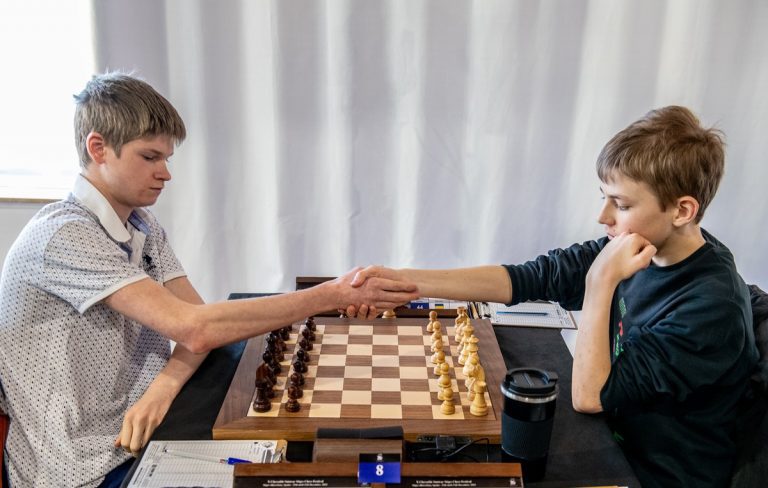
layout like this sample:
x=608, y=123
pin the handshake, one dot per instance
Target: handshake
x=364, y=292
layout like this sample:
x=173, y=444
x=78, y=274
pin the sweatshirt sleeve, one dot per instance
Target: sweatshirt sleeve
x=664, y=364
x=558, y=276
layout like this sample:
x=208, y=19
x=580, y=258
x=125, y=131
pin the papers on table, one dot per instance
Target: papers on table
x=200, y=463
x=528, y=314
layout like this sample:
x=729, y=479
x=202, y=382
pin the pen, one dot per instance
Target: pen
x=521, y=312
x=203, y=457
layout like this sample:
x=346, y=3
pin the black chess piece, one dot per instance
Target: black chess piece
x=294, y=381
x=307, y=333
x=274, y=346
x=299, y=378
x=271, y=363
x=303, y=355
x=305, y=344
x=292, y=405
x=285, y=334
x=311, y=324
x=261, y=403
x=300, y=366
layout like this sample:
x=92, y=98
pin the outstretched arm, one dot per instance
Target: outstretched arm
x=624, y=256
x=148, y=412
x=202, y=327
x=482, y=283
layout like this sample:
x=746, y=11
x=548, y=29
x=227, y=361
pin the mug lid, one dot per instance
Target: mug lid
x=530, y=381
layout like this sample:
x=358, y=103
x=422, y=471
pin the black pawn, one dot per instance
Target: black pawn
x=271, y=363
x=292, y=405
x=300, y=366
x=311, y=324
x=297, y=378
x=303, y=355
x=285, y=333
x=274, y=347
x=261, y=403
x=294, y=381
x=307, y=333
x=305, y=344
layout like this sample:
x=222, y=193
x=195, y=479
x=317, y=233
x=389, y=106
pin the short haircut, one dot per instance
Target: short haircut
x=123, y=108
x=671, y=152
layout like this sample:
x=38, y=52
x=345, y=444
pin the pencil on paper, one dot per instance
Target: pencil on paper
x=205, y=457
x=521, y=312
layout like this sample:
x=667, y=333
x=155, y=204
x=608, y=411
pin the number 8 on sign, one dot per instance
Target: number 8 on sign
x=378, y=468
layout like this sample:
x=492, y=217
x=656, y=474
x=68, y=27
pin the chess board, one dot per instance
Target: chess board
x=366, y=374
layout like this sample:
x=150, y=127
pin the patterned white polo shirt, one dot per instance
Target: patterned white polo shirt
x=70, y=366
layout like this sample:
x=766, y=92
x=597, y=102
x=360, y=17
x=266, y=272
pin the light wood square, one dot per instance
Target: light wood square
x=385, y=361
x=385, y=384
x=410, y=350
x=386, y=412
x=458, y=415
x=325, y=410
x=405, y=330
x=329, y=384
x=413, y=373
x=359, y=349
x=335, y=339
x=416, y=398
x=357, y=372
x=332, y=360
x=356, y=397
x=360, y=329
x=385, y=340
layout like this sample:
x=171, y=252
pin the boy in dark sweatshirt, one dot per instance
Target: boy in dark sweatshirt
x=665, y=346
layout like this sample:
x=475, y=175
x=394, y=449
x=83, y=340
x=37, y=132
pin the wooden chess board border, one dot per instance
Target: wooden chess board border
x=233, y=421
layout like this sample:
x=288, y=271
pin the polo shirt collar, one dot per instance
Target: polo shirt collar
x=98, y=204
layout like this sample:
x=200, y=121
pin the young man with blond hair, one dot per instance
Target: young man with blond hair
x=665, y=344
x=91, y=293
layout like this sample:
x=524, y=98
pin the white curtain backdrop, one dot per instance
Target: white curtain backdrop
x=328, y=134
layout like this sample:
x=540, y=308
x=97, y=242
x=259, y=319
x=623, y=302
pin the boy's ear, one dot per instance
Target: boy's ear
x=96, y=147
x=687, y=209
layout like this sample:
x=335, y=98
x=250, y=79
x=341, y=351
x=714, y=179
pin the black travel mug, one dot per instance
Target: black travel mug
x=526, y=423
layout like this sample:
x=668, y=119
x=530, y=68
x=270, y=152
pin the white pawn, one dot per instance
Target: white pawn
x=438, y=359
x=445, y=379
x=447, y=408
x=432, y=319
x=479, y=407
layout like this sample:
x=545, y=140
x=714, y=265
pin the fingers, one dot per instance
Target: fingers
x=372, y=312
x=363, y=274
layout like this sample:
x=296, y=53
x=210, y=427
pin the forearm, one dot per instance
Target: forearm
x=482, y=283
x=592, y=359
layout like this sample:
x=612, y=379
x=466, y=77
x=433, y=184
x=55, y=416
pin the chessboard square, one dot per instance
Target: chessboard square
x=382, y=350
x=384, y=340
x=417, y=412
x=457, y=415
x=311, y=371
x=274, y=409
x=357, y=371
x=355, y=412
x=330, y=349
x=302, y=413
x=414, y=361
x=413, y=351
x=382, y=372
x=416, y=398
x=413, y=373
x=332, y=360
x=329, y=384
x=359, y=349
x=416, y=385
x=411, y=341
x=386, y=411
x=385, y=330
x=357, y=384
x=360, y=339
x=385, y=384
x=359, y=360
x=360, y=329
x=324, y=397
x=325, y=410
x=386, y=398
x=356, y=397
x=340, y=329
x=386, y=361
x=330, y=372
x=334, y=338
x=409, y=330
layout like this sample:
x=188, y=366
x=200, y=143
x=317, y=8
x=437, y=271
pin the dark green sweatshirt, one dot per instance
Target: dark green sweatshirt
x=682, y=349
